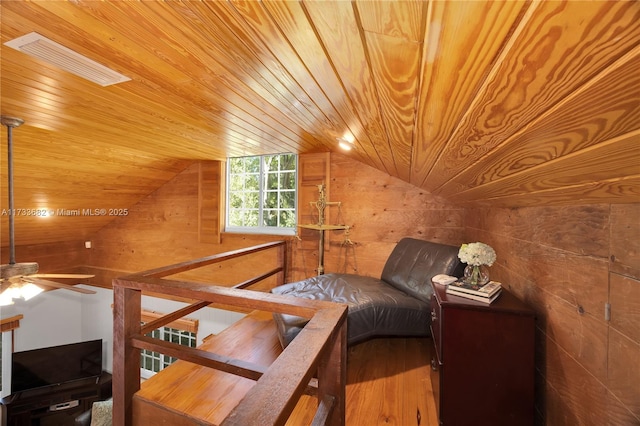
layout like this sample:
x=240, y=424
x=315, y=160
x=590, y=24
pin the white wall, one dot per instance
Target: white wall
x=6, y=366
x=96, y=319
x=51, y=318
x=60, y=316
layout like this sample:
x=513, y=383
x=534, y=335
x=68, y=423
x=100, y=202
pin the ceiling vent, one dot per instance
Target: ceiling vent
x=33, y=44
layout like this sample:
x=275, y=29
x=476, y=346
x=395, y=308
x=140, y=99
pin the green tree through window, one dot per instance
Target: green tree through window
x=261, y=193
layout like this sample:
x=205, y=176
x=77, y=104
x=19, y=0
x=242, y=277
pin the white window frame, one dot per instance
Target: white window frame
x=271, y=230
x=164, y=361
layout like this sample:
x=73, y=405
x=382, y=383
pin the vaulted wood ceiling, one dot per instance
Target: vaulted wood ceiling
x=502, y=102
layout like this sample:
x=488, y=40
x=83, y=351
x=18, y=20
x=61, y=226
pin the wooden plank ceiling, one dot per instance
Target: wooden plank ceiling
x=482, y=102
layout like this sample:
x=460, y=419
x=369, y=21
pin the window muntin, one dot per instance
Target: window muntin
x=153, y=362
x=262, y=194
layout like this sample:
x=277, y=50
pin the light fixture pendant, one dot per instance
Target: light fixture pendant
x=11, y=122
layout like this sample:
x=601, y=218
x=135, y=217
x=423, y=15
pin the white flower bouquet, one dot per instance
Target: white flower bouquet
x=477, y=254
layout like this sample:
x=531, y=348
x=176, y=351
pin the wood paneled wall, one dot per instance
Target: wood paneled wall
x=164, y=229
x=61, y=257
x=568, y=263
x=380, y=210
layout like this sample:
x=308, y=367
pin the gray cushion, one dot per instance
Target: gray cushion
x=397, y=304
x=413, y=263
x=375, y=308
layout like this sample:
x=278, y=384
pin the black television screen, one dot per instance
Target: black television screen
x=55, y=365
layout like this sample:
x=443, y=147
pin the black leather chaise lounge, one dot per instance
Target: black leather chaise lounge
x=396, y=304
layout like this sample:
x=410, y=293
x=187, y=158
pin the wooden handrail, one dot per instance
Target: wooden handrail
x=176, y=268
x=169, y=318
x=196, y=356
x=320, y=348
x=259, y=278
x=11, y=323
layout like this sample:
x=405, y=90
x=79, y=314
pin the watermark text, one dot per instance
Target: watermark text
x=65, y=212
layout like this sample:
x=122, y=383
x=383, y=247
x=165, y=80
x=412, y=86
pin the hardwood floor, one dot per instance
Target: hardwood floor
x=388, y=383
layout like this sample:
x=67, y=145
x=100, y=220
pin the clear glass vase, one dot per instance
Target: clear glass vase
x=476, y=275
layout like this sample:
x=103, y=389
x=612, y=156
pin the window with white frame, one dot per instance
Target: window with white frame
x=262, y=194
x=153, y=362
x=185, y=335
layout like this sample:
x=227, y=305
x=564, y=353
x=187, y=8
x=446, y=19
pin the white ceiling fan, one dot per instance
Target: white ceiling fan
x=21, y=280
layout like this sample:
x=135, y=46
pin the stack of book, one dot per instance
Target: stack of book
x=486, y=293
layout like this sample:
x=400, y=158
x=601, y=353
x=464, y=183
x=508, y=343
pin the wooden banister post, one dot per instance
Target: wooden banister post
x=126, y=358
x=320, y=348
x=332, y=375
x=281, y=262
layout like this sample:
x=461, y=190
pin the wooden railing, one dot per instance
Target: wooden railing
x=320, y=348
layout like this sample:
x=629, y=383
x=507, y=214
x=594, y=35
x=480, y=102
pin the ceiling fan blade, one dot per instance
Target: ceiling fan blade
x=79, y=276
x=48, y=283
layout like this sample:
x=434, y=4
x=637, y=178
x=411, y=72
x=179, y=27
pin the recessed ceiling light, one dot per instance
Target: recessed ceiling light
x=345, y=143
x=38, y=46
x=348, y=137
